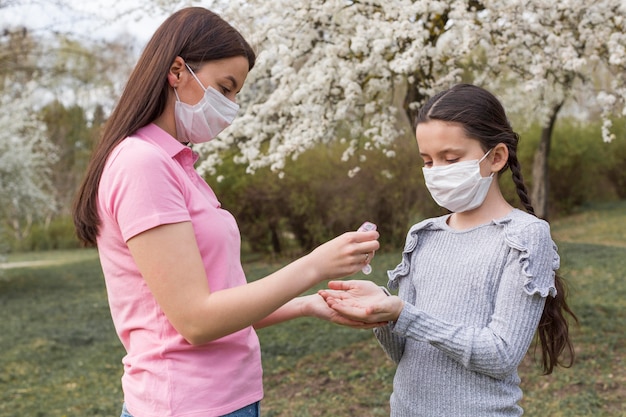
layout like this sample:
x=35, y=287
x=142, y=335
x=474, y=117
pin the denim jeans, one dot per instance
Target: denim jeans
x=253, y=410
x=125, y=412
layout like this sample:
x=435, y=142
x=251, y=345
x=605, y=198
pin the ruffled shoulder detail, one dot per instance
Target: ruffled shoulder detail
x=538, y=252
x=402, y=269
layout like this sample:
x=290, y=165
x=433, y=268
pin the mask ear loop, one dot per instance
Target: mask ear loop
x=483, y=158
x=485, y=155
x=195, y=76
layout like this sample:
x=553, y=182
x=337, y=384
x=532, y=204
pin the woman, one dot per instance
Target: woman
x=170, y=255
x=474, y=285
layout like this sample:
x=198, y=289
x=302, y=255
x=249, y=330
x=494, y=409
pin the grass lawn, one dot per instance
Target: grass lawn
x=60, y=356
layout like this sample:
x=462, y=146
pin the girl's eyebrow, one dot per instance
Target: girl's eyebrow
x=444, y=151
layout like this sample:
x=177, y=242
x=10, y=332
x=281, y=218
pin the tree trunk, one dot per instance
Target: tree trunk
x=540, y=172
x=276, y=246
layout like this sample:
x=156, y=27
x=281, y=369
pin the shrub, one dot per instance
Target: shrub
x=582, y=168
x=316, y=199
x=59, y=234
x=614, y=165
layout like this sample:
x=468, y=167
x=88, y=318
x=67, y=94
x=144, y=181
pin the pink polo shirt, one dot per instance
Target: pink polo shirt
x=149, y=180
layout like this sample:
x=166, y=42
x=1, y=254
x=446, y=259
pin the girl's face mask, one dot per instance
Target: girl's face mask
x=205, y=120
x=459, y=186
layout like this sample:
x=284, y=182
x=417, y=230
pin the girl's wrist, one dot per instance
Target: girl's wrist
x=400, y=307
x=398, y=302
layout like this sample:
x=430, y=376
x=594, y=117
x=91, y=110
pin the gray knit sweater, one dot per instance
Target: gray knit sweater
x=473, y=301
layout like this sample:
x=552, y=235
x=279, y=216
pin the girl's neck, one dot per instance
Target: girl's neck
x=494, y=207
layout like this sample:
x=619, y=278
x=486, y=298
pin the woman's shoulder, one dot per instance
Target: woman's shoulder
x=136, y=156
x=136, y=149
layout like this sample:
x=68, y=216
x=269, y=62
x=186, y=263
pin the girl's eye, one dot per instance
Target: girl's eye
x=451, y=161
x=225, y=90
x=428, y=163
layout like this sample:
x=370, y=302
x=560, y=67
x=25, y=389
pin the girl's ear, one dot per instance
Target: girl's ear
x=499, y=157
x=177, y=67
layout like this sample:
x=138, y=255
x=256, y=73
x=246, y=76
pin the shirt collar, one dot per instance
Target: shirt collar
x=154, y=134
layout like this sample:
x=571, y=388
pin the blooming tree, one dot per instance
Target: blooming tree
x=356, y=71
x=539, y=55
x=25, y=159
x=331, y=66
x=37, y=69
x=25, y=151
x=350, y=70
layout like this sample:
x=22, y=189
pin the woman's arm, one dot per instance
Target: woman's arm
x=169, y=260
x=311, y=306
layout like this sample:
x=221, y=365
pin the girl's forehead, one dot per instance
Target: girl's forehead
x=436, y=136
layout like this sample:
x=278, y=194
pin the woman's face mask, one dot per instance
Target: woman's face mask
x=205, y=120
x=459, y=186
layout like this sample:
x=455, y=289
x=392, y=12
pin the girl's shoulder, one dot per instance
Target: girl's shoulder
x=433, y=223
x=410, y=244
x=520, y=226
x=538, y=254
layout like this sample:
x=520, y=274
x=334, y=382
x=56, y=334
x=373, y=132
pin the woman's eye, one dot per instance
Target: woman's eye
x=428, y=163
x=451, y=161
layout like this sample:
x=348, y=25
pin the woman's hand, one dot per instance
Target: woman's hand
x=343, y=255
x=360, y=300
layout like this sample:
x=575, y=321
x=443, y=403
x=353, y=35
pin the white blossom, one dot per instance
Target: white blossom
x=554, y=50
x=26, y=156
x=329, y=63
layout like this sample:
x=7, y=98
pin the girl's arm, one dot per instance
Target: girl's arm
x=311, y=306
x=495, y=349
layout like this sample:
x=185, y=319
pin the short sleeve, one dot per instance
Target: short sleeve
x=141, y=188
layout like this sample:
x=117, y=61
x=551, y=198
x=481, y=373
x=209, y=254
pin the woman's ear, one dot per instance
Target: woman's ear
x=177, y=67
x=499, y=157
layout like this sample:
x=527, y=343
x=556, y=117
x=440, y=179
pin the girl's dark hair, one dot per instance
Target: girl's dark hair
x=482, y=117
x=195, y=34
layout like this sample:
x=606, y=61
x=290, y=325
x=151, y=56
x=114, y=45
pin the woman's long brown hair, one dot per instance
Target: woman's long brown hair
x=483, y=118
x=195, y=34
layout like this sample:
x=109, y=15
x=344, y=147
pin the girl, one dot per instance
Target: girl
x=474, y=285
x=170, y=255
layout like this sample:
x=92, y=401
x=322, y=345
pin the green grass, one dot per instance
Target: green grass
x=60, y=355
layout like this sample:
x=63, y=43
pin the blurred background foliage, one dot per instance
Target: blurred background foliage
x=317, y=198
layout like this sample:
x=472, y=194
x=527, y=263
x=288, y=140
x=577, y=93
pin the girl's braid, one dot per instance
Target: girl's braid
x=518, y=179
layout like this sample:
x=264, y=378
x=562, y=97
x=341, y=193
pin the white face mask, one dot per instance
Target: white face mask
x=459, y=186
x=206, y=119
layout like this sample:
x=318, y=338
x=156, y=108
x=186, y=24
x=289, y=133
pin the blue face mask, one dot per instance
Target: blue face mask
x=206, y=119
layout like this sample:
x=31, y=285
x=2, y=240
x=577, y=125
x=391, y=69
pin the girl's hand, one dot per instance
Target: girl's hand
x=360, y=300
x=315, y=306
